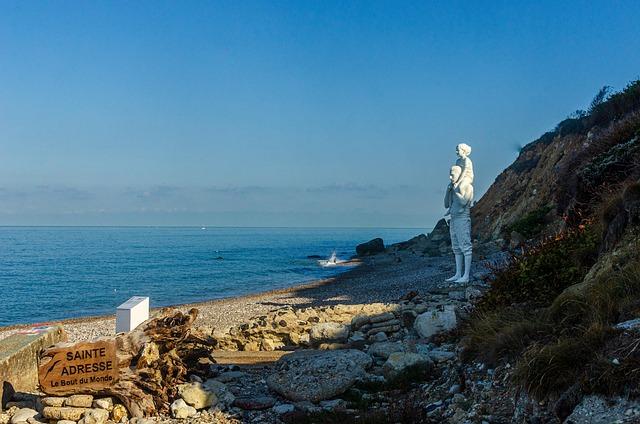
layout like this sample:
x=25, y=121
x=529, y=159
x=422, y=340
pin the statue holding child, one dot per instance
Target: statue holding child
x=458, y=201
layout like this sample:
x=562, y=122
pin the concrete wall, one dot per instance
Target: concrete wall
x=19, y=355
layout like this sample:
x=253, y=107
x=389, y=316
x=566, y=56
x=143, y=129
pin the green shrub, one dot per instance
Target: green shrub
x=541, y=273
x=532, y=224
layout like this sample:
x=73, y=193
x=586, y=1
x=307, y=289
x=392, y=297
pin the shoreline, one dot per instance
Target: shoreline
x=381, y=278
x=354, y=263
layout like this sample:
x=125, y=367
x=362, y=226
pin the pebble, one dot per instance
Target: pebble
x=455, y=389
x=283, y=408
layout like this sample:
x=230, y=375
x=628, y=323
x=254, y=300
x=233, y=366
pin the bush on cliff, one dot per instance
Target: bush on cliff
x=568, y=341
x=532, y=224
x=542, y=272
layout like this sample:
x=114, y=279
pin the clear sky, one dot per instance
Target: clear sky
x=300, y=113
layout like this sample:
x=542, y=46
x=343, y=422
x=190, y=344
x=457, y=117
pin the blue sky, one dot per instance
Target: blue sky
x=301, y=113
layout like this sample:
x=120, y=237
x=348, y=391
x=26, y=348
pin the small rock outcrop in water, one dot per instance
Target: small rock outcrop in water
x=371, y=247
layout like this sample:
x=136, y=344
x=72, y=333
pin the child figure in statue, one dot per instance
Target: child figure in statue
x=466, y=169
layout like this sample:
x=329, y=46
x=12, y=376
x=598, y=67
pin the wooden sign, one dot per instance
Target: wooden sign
x=79, y=367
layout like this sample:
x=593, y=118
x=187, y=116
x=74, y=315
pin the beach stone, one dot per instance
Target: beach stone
x=22, y=415
x=118, y=413
x=399, y=361
x=330, y=405
x=384, y=349
x=196, y=395
x=284, y=408
x=379, y=337
x=472, y=293
x=222, y=393
x=65, y=422
x=359, y=320
x=371, y=247
x=408, y=318
x=79, y=401
x=438, y=355
x=317, y=375
x=386, y=329
x=34, y=420
x=95, y=416
x=329, y=332
x=255, y=403
x=387, y=316
x=390, y=323
x=53, y=401
x=435, y=321
x=104, y=403
x=228, y=376
x=180, y=410
x=63, y=413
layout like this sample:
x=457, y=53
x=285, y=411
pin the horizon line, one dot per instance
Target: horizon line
x=207, y=226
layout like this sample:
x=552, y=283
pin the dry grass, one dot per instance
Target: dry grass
x=502, y=335
x=569, y=341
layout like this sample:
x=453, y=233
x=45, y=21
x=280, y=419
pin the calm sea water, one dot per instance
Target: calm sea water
x=50, y=273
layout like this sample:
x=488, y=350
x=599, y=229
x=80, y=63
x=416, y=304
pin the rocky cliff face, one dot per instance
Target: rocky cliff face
x=564, y=173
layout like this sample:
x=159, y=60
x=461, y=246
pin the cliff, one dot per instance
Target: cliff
x=561, y=176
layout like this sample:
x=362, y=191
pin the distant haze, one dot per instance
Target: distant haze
x=300, y=113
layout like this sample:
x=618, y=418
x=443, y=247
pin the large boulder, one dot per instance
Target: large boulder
x=317, y=375
x=435, y=320
x=328, y=332
x=371, y=247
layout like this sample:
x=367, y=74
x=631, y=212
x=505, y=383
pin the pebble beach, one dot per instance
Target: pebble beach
x=381, y=278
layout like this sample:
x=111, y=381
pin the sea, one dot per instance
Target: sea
x=53, y=273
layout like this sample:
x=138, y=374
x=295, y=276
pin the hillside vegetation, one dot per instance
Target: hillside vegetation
x=553, y=309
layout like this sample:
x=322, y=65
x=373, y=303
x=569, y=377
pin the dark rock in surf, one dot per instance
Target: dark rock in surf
x=371, y=247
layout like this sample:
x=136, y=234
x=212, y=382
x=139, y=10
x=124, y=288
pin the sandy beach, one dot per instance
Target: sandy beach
x=381, y=278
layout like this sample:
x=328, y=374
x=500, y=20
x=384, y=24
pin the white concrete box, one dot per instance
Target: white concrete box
x=131, y=314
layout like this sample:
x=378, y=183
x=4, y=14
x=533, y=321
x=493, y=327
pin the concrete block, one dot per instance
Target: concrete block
x=19, y=359
x=131, y=314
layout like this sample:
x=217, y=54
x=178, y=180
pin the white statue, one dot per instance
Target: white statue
x=458, y=202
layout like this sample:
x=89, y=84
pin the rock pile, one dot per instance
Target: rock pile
x=81, y=409
x=340, y=353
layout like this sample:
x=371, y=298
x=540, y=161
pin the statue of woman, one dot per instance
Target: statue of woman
x=458, y=202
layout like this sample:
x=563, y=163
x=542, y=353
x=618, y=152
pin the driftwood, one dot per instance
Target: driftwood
x=153, y=360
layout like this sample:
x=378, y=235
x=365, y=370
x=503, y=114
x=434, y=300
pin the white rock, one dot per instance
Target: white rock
x=196, y=395
x=22, y=415
x=180, y=410
x=96, y=416
x=435, y=321
x=104, y=403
